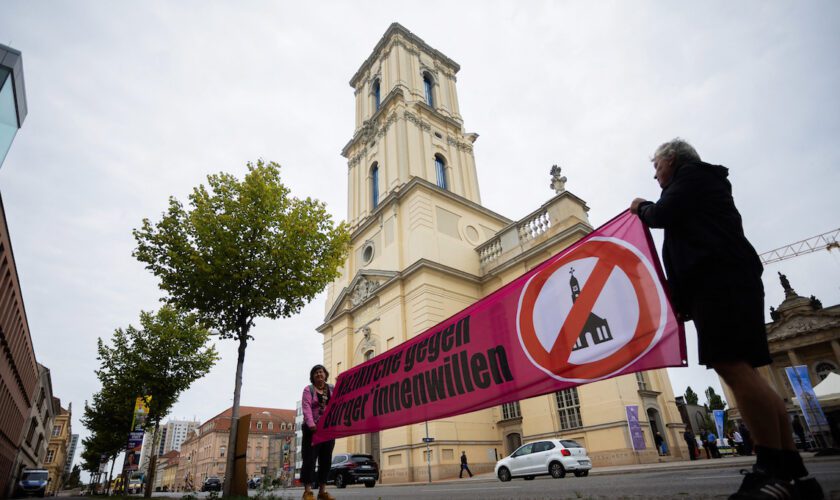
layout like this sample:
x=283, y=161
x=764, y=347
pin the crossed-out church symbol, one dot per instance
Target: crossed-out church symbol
x=596, y=327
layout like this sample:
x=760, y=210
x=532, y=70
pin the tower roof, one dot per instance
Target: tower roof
x=398, y=29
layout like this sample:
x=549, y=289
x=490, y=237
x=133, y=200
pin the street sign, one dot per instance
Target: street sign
x=428, y=440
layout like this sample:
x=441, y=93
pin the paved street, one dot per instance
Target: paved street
x=685, y=480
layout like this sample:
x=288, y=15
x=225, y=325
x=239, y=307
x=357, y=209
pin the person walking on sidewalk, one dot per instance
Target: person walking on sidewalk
x=692, y=444
x=314, y=400
x=464, y=466
x=714, y=275
x=711, y=439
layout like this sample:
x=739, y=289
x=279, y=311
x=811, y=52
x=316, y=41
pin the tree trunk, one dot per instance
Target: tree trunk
x=150, y=477
x=110, y=476
x=234, y=417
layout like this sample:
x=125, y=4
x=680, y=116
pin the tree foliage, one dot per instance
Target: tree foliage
x=243, y=250
x=691, y=396
x=713, y=400
x=161, y=359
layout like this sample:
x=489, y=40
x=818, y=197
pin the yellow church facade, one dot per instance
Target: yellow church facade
x=424, y=248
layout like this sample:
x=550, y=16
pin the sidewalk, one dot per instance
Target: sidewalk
x=744, y=462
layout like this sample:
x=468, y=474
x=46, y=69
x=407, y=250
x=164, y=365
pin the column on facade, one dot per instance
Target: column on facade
x=794, y=359
x=835, y=346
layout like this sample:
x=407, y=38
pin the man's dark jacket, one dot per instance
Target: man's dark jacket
x=704, y=238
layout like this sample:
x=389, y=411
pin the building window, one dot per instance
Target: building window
x=271, y=426
x=511, y=410
x=259, y=452
x=824, y=368
x=259, y=426
x=376, y=95
x=368, y=355
x=568, y=406
x=222, y=450
x=427, y=86
x=440, y=170
x=640, y=378
x=374, y=184
x=41, y=398
x=56, y=431
x=31, y=433
x=50, y=456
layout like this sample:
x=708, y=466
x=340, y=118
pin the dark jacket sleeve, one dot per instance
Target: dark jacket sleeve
x=677, y=199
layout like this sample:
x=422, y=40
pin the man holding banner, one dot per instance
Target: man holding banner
x=715, y=280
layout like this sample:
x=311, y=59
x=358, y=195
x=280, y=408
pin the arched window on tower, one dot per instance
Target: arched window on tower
x=374, y=184
x=440, y=170
x=376, y=95
x=428, y=84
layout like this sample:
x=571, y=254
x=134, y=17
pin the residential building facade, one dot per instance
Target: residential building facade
x=423, y=248
x=33, y=448
x=172, y=434
x=59, y=446
x=204, y=453
x=19, y=372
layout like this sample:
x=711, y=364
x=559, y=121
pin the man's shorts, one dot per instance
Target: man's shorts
x=729, y=319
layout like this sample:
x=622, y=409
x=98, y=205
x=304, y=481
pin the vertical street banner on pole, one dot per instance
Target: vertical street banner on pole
x=596, y=310
x=800, y=382
x=135, y=437
x=637, y=436
x=718, y=414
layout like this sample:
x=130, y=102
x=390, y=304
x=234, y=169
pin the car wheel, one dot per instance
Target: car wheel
x=340, y=482
x=370, y=484
x=528, y=478
x=556, y=470
x=504, y=474
x=581, y=473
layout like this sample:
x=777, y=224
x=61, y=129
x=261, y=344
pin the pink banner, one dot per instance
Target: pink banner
x=596, y=310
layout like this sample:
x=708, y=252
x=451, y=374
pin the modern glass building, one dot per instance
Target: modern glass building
x=12, y=97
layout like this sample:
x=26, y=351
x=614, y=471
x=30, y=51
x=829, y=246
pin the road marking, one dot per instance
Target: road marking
x=473, y=489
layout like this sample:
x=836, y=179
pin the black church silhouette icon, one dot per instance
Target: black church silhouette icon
x=596, y=328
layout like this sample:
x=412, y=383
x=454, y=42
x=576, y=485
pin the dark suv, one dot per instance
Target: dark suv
x=212, y=484
x=352, y=469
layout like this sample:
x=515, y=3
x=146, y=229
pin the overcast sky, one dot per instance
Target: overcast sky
x=130, y=103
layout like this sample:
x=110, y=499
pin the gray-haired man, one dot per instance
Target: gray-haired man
x=715, y=280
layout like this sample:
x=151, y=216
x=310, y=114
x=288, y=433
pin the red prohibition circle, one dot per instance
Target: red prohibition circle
x=609, y=255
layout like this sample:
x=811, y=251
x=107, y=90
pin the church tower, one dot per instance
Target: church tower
x=408, y=125
x=416, y=220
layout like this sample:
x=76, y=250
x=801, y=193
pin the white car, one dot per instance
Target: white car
x=551, y=456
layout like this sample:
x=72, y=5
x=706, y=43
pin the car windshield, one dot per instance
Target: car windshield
x=35, y=476
x=568, y=443
x=362, y=458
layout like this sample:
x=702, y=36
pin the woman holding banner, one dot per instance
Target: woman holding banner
x=314, y=401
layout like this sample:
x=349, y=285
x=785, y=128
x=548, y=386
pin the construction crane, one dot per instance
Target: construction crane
x=826, y=241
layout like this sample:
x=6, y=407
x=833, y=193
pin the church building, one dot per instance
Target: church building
x=423, y=248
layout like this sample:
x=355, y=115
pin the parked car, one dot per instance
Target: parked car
x=212, y=483
x=32, y=482
x=254, y=483
x=352, y=468
x=552, y=456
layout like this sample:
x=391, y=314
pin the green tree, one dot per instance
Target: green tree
x=713, y=400
x=73, y=480
x=243, y=250
x=691, y=396
x=160, y=360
